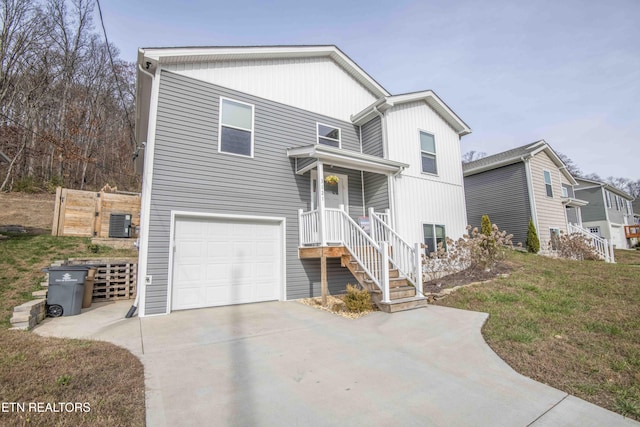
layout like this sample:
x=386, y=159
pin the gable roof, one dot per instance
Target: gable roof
x=189, y=54
x=427, y=96
x=516, y=155
x=584, y=183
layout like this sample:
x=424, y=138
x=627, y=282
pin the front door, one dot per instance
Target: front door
x=335, y=194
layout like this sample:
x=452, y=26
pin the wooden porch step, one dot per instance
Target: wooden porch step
x=402, y=292
x=402, y=304
x=395, y=282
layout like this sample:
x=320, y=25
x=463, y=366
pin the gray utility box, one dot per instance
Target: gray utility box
x=120, y=225
x=66, y=288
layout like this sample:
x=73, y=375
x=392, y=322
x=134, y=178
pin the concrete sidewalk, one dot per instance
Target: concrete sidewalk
x=283, y=363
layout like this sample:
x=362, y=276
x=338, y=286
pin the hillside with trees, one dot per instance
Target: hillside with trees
x=66, y=100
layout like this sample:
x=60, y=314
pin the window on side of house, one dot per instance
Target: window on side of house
x=618, y=203
x=328, y=135
x=594, y=230
x=565, y=191
x=428, y=153
x=433, y=236
x=607, y=196
x=547, y=183
x=554, y=234
x=236, y=128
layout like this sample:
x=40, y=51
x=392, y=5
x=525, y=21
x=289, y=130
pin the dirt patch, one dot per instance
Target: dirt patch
x=32, y=211
x=466, y=277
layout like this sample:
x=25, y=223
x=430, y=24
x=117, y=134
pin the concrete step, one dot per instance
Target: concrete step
x=402, y=304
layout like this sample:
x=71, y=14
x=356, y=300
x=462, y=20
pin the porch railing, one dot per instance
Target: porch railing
x=406, y=258
x=603, y=248
x=340, y=228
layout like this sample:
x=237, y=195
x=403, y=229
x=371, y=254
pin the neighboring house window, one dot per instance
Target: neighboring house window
x=618, y=203
x=607, y=196
x=594, y=230
x=629, y=208
x=554, y=233
x=428, y=153
x=565, y=191
x=236, y=128
x=328, y=135
x=547, y=183
x=433, y=236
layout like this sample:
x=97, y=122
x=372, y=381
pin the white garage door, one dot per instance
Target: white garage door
x=222, y=261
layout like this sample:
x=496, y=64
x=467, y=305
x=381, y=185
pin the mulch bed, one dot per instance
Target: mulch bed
x=466, y=277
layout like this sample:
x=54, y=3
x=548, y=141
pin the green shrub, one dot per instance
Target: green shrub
x=357, y=300
x=533, y=243
x=485, y=225
x=26, y=185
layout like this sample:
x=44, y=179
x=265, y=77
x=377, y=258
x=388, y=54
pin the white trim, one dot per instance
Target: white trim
x=339, y=140
x=282, y=221
x=434, y=154
x=145, y=201
x=343, y=185
x=532, y=195
x=252, y=130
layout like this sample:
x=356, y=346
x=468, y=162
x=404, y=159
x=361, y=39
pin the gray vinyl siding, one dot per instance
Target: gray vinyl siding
x=503, y=195
x=372, y=138
x=570, y=192
x=616, y=215
x=189, y=174
x=595, y=210
x=376, y=191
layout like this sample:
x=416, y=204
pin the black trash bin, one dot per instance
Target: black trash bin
x=66, y=287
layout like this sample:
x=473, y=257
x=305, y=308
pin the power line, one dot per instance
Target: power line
x=115, y=75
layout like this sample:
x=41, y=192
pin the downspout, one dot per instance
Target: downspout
x=143, y=218
x=391, y=177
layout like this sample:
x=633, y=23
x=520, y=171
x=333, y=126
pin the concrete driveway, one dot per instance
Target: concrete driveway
x=286, y=364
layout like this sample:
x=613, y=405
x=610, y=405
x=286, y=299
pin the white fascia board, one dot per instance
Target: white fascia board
x=347, y=159
x=200, y=54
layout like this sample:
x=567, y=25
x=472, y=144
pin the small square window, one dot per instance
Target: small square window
x=428, y=153
x=328, y=135
x=236, y=128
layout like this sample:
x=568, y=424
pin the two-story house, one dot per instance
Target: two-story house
x=277, y=173
x=608, y=212
x=527, y=182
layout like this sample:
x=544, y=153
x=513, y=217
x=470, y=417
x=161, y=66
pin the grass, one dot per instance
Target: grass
x=572, y=325
x=106, y=379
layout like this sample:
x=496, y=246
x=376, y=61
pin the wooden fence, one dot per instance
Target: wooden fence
x=87, y=213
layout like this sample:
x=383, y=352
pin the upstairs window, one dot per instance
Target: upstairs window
x=434, y=235
x=236, y=128
x=547, y=183
x=565, y=191
x=428, y=153
x=328, y=135
x=607, y=196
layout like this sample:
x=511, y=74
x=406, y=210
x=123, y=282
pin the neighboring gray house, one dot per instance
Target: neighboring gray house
x=608, y=212
x=265, y=167
x=526, y=182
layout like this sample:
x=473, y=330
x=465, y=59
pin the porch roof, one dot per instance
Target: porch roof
x=574, y=203
x=343, y=158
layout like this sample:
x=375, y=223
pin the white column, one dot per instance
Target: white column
x=320, y=195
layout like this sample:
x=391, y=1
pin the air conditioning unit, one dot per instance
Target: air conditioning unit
x=120, y=225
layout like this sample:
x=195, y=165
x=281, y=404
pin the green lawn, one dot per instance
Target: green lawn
x=574, y=325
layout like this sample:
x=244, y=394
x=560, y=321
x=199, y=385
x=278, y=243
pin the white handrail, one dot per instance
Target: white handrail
x=367, y=253
x=602, y=246
x=308, y=227
x=401, y=254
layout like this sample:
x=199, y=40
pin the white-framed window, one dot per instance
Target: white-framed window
x=595, y=230
x=328, y=135
x=548, y=184
x=235, y=133
x=629, y=207
x=607, y=196
x=618, y=203
x=565, y=191
x=428, y=153
x=434, y=234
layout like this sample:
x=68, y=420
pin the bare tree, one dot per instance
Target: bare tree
x=473, y=155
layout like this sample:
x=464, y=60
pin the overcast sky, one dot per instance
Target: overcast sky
x=566, y=71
